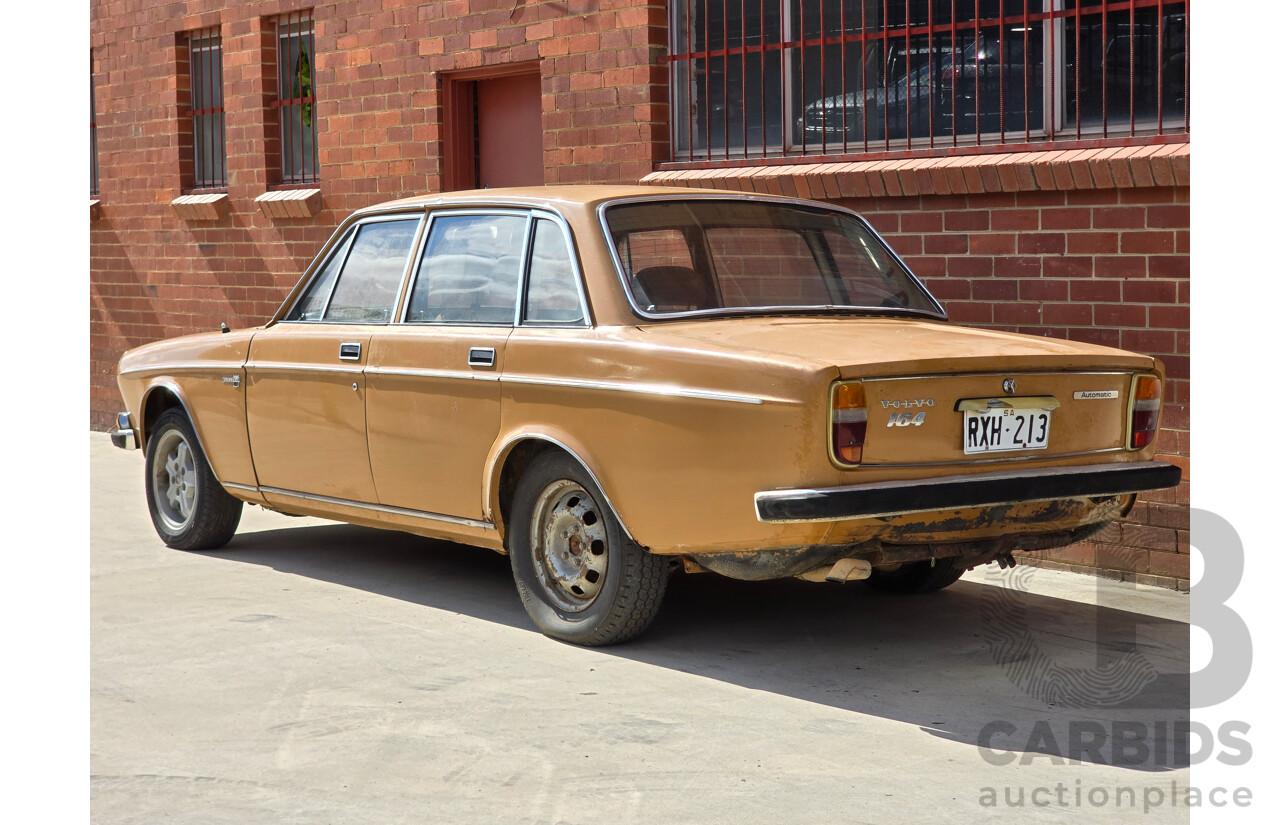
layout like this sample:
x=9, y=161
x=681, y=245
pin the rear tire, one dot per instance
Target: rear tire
x=580, y=576
x=919, y=576
x=189, y=508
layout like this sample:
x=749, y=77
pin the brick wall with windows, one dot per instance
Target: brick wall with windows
x=1088, y=241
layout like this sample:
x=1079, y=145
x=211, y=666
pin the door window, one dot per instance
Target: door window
x=470, y=270
x=372, y=259
x=366, y=292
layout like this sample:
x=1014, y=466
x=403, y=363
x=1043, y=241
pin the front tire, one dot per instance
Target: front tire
x=189, y=508
x=580, y=576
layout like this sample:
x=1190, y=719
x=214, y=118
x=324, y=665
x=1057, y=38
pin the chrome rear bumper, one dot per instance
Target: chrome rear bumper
x=893, y=498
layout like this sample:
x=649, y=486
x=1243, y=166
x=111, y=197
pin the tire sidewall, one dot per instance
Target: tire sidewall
x=582, y=625
x=177, y=420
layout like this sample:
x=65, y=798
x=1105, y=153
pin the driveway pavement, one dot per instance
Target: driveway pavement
x=311, y=672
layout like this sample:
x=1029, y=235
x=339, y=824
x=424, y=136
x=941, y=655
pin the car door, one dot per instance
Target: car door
x=433, y=403
x=306, y=389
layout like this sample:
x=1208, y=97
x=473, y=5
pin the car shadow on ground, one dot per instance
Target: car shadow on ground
x=1016, y=674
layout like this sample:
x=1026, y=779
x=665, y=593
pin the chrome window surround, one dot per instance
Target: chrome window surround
x=391, y=311
x=567, y=233
x=531, y=214
x=601, y=210
x=332, y=246
x=431, y=209
x=415, y=269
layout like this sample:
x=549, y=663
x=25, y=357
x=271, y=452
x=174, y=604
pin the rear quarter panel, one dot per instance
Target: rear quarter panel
x=680, y=440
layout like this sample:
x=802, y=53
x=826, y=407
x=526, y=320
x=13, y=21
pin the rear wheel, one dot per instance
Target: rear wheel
x=189, y=508
x=919, y=576
x=580, y=577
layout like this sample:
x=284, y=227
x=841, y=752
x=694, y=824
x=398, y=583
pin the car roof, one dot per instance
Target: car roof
x=574, y=195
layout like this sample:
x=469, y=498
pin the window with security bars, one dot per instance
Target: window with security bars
x=206, y=113
x=296, y=97
x=753, y=78
x=93, y=133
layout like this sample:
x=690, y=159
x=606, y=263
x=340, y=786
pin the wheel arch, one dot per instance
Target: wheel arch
x=160, y=397
x=511, y=458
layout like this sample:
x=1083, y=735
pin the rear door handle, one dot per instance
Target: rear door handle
x=349, y=351
x=481, y=357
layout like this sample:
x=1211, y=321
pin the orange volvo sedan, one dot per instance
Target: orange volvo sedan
x=606, y=383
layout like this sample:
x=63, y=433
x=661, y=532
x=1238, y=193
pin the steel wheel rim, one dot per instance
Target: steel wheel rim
x=173, y=481
x=570, y=546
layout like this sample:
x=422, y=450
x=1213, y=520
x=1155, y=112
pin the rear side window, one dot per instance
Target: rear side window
x=360, y=281
x=470, y=270
x=552, y=295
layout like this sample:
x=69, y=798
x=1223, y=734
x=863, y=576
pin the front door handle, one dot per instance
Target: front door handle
x=481, y=357
x=349, y=351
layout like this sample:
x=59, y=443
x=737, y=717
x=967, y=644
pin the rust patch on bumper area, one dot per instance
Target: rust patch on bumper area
x=977, y=534
x=974, y=523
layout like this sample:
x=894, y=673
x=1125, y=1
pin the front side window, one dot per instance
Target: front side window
x=836, y=77
x=296, y=97
x=207, y=114
x=361, y=279
x=470, y=270
x=735, y=256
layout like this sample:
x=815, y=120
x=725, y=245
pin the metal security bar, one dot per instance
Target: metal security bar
x=296, y=98
x=761, y=78
x=93, y=134
x=208, y=118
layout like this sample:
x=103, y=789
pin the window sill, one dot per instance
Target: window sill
x=208, y=207
x=289, y=203
x=95, y=209
x=1122, y=167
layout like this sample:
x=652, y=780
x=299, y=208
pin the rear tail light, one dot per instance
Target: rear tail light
x=848, y=422
x=1145, y=418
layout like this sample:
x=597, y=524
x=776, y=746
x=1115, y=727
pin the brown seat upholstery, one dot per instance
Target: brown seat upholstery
x=677, y=286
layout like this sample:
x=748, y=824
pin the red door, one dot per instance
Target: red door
x=509, y=131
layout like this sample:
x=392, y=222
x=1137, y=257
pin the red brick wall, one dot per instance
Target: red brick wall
x=1107, y=266
x=378, y=81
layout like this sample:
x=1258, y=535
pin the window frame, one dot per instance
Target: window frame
x=722, y=312
x=207, y=39
x=335, y=247
x=94, y=183
x=283, y=106
x=1055, y=128
x=531, y=215
x=567, y=234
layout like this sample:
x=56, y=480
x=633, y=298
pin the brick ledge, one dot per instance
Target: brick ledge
x=1122, y=167
x=289, y=203
x=209, y=207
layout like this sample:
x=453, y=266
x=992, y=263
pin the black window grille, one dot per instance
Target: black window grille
x=208, y=117
x=93, y=134
x=296, y=98
x=754, y=78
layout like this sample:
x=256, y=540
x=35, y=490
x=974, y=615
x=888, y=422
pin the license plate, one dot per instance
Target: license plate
x=998, y=431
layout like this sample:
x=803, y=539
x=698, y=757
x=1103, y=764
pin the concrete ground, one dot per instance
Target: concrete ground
x=312, y=672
